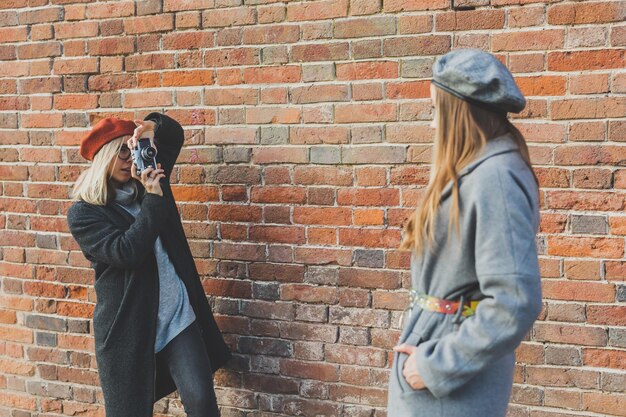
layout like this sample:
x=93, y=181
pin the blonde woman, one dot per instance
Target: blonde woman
x=154, y=330
x=475, y=276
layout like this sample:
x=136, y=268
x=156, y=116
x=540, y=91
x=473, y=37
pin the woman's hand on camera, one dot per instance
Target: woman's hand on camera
x=144, y=128
x=410, y=372
x=150, y=178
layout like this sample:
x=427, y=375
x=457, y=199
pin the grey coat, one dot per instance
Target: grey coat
x=468, y=367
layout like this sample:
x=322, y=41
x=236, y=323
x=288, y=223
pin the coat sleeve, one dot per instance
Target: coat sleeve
x=101, y=241
x=505, y=219
x=168, y=138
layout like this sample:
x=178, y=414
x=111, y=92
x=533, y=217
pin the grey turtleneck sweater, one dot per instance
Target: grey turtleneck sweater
x=175, y=311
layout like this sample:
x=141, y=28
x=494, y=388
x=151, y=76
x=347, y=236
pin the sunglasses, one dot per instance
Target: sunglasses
x=124, y=153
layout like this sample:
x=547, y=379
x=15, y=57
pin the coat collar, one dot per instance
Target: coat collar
x=496, y=146
x=125, y=214
x=128, y=218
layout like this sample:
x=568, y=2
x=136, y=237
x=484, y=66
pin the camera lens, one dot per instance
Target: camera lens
x=148, y=153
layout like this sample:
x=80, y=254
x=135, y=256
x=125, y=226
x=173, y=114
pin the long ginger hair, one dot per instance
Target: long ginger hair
x=462, y=130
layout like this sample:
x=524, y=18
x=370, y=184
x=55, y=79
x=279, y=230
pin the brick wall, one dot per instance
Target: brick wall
x=307, y=148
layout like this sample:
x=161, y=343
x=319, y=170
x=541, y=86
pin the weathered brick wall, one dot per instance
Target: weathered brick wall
x=307, y=148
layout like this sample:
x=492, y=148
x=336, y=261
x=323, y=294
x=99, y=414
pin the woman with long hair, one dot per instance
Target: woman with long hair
x=476, y=287
x=153, y=327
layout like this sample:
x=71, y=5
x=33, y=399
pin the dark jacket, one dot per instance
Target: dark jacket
x=121, y=251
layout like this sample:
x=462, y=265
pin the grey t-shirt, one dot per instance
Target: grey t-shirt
x=175, y=311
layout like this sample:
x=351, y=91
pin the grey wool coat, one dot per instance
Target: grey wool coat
x=467, y=366
x=121, y=251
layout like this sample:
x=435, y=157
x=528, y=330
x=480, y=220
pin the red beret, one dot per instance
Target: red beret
x=104, y=132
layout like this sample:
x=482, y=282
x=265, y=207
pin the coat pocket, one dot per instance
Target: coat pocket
x=413, y=340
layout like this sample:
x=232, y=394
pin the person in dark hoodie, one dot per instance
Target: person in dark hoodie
x=153, y=327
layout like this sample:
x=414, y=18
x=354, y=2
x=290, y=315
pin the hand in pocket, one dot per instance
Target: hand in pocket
x=410, y=372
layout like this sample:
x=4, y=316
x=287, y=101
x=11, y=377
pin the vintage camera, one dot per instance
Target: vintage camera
x=144, y=155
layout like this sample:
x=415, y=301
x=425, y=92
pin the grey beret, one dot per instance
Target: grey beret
x=478, y=77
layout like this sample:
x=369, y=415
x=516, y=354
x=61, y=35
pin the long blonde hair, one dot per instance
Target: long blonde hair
x=94, y=185
x=462, y=131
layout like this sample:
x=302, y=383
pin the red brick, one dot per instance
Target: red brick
x=606, y=315
x=271, y=13
x=317, y=371
x=39, y=120
x=308, y=293
x=195, y=193
x=570, y=200
x=76, y=30
x=230, y=57
x=586, y=13
x=417, y=45
x=586, y=60
x=528, y=40
x=109, y=10
x=326, y=9
x=148, y=99
x=318, y=135
x=604, y=403
x=264, y=115
x=374, y=238
x=111, y=46
x=326, y=216
x=319, y=176
x=367, y=70
x=274, y=34
x=231, y=96
x=362, y=27
x=410, y=5
x=351, y=113
x=39, y=50
x=585, y=247
x=17, y=401
x=570, y=334
x=582, y=270
x=319, y=256
x=269, y=75
x=405, y=90
x=578, y=291
x=356, y=355
x=229, y=17
x=542, y=85
x=414, y=24
x=469, y=20
x=403, y=133
x=526, y=16
x=75, y=66
x=369, y=278
x=618, y=225
x=587, y=131
x=272, y=155
x=588, y=155
x=593, y=178
x=75, y=101
x=368, y=197
x=589, y=84
x=147, y=24
x=231, y=212
x=320, y=52
x=13, y=34
x=149, y=62
x=188, y=40
x=294, y=195
x=187, y=78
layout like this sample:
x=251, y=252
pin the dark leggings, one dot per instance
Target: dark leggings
x=189, y=365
